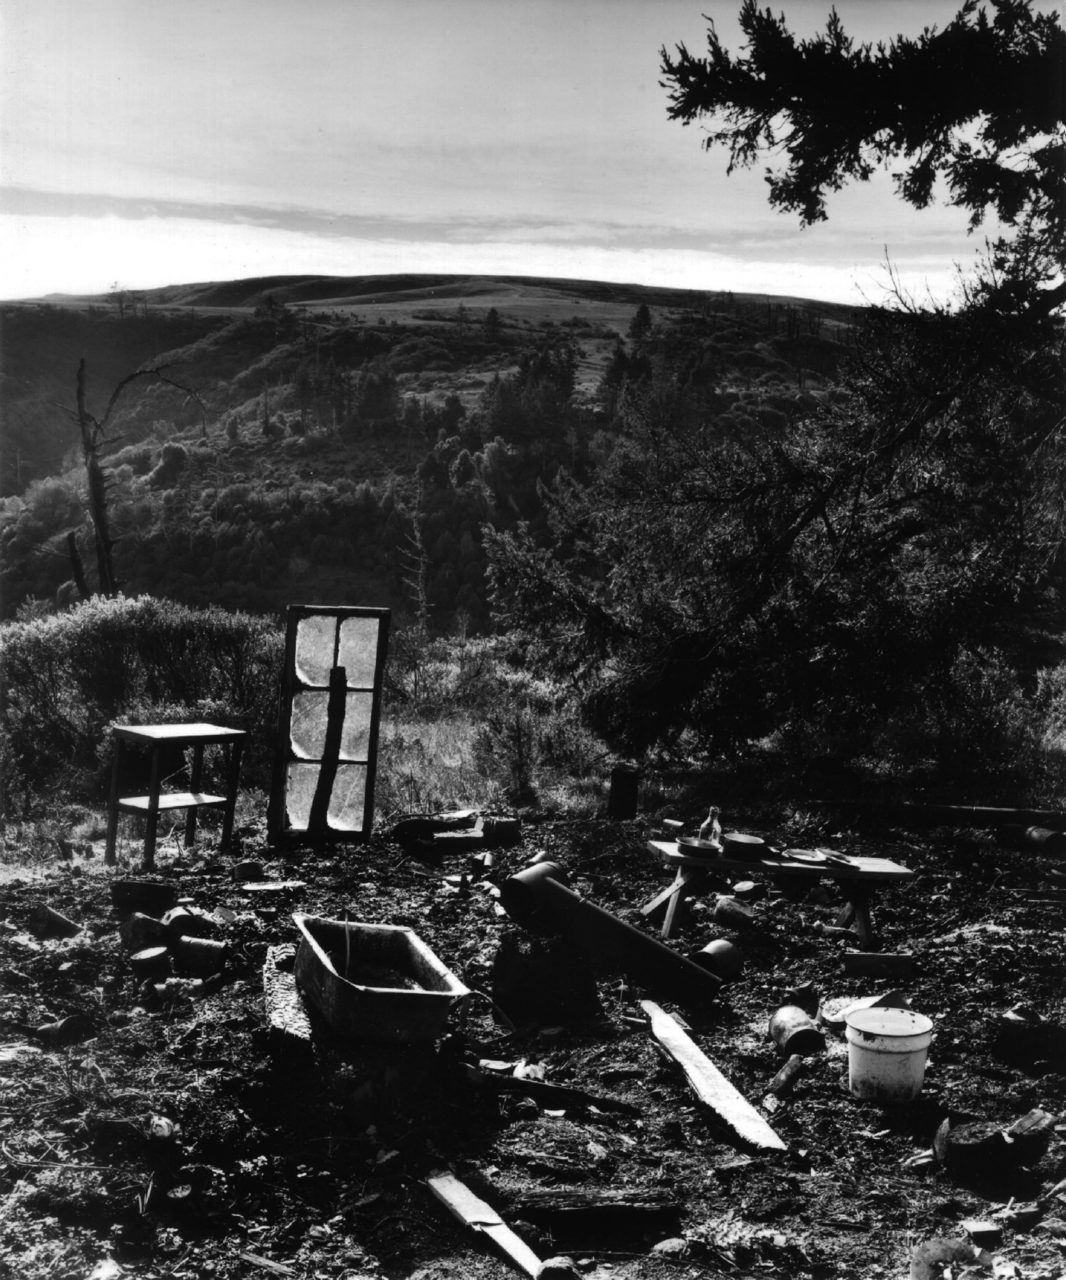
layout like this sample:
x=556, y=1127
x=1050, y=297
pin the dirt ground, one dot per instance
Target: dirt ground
x=177, y=1138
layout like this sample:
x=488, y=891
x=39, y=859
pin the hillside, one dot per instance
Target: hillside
x=322, y=435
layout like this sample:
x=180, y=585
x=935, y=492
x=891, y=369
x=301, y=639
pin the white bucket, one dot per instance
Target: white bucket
x=887, y=1049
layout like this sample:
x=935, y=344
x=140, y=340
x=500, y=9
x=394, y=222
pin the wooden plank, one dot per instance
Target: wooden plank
x=547, y=1093
x=686, y=877
x=664, y=895
x=473, y=1212
x=708, y=1083
x=620, y=1209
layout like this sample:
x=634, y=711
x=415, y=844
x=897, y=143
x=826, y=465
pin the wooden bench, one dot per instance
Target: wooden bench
x=859, y=880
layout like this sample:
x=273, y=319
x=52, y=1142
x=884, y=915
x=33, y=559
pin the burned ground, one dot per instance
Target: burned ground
x=179, y=1139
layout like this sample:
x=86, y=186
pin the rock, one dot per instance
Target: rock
x=928, y=1259
x=106, y=1269
x=672, y=1247
x=736, y=915
x=46, y=922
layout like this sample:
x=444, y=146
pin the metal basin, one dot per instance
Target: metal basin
x=374, y=982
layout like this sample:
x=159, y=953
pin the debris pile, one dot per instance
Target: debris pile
x=184, y=1096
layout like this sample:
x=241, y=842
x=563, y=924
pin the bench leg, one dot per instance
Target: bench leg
x=196, y=774
x=112, y=806
x=864, y=926
x=845, y=915
x=152, y=816
x=233, y=774
x=686, y=877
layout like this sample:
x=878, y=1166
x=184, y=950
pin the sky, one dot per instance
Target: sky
x=154, y=142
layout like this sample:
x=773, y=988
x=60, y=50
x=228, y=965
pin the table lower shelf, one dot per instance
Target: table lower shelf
x=172, y=800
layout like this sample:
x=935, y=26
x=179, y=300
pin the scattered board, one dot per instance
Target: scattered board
x=708, y=1083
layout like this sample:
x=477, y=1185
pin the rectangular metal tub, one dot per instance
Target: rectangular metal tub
x=399, y=990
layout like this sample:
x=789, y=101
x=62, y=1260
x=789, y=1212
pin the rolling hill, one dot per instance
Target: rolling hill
x=335, y=431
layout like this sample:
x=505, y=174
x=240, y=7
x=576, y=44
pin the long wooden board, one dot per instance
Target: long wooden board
x=479, y=1216
x=708, y=1083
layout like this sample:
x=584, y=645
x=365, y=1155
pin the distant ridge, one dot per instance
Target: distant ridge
x=368, y=290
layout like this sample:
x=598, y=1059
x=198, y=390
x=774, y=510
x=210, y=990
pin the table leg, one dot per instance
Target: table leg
x=233, y=774
x=686, y=877
x=152, y=816
x=662, y=897
x=112, y=807
x=845, y=915
x=195, y=778
x=861, y=899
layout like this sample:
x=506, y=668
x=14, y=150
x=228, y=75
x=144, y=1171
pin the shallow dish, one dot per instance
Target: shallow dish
x=738, y=845
x=693, y=844
x=805, y=855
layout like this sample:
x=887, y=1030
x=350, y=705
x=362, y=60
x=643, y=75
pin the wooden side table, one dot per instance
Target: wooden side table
x=153, y=738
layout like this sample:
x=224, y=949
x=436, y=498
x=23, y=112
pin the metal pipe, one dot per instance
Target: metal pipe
x=947, y=814
x=538, y=898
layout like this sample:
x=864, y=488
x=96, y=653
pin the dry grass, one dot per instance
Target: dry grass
x=427, y=765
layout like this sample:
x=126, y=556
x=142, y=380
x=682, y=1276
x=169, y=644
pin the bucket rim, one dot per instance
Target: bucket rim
x=888, y=1022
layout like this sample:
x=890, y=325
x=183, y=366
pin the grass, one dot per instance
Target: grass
x=426, y=765
x=462, y=728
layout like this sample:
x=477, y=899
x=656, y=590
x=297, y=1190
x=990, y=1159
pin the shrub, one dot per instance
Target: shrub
x=171, y=465
x=70, y=676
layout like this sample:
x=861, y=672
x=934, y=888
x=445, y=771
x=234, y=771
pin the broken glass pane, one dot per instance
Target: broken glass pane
x=316, y=639
x=299, y=793
x=307, y=728
x=355, y=740
x=348, y=801
x=359, y=651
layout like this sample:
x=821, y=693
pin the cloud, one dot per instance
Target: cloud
x=84, y=253
x=775, y=240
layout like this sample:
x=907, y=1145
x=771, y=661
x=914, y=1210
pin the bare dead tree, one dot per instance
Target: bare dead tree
x=93, y=440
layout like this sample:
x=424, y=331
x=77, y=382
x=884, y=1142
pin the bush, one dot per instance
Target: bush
x=171, y=464
x=70, y=676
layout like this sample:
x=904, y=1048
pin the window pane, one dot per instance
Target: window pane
x=355, y=740
x=307, y=727
x=359, y=651
x=316, y=637
x=299, y=793
x=348, y=801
